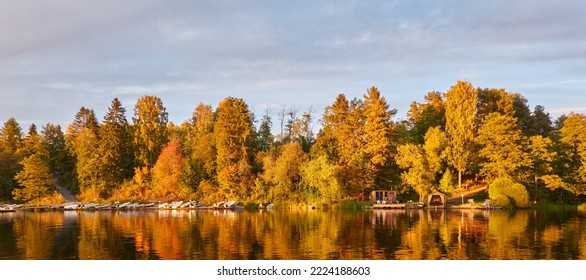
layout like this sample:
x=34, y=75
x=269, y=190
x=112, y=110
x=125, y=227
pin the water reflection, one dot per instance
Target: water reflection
x=293, y=234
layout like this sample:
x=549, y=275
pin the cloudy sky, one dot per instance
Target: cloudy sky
x=57, y=56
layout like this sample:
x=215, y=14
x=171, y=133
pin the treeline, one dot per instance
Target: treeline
x=453, y=140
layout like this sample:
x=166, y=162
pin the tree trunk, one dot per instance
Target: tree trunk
x=460, y=179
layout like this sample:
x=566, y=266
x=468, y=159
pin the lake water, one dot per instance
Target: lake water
x=293, y=234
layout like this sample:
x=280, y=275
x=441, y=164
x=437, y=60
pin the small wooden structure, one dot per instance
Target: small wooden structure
x=383, y=197
x=436, y=199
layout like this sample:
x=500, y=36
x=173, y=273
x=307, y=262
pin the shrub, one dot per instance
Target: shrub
x=501, y=200
x=515, y=193
x=518, y=193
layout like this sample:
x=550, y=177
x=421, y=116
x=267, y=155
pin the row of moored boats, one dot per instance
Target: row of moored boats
x=130, y=206
x=10, y=207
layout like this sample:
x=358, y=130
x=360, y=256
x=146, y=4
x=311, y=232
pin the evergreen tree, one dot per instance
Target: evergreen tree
x=378, y=131
x=491, y=100
x=32, y=144
x=82, y=144
x=332, y=135
x=265, y=138
x=10, y=136
x=85, y=118
x=423, y=116
x=150, y=129
x=353, y=161
x=89, y=169
x=380, y=140
x=10, y=143
x=542, y=124
x=461, y=103
x=525, y=121
x=35, y=179
x=115, y=146
x=53, y=139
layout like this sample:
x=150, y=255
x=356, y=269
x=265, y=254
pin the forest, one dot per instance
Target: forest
x=462, y=138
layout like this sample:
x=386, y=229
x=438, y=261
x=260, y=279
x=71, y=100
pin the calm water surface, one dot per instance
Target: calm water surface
x=294, y=234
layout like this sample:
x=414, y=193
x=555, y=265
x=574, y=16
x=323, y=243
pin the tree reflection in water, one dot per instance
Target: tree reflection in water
x=293, y=234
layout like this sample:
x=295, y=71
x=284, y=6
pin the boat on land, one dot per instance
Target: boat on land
x=73, y=206
x=10, y=207
x=176, y=204
x=105, y=207
x=123, y=205
x=148, y=205
x=90, y=206
x=163, y=205
x=133, y=205
x=230, y=204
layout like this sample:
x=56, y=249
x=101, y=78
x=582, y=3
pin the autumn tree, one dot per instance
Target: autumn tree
x=461, y=103
x=378, y=136
x=10, y=136
x=333, y=133
x=352, y=157
x=573, y=140
x=502, y=145
x=320, y=181
x=115, y=147
x=282, y=170
x=233, y=131
x=492, y=100
x=32, y=144
x=82, y=145
x=10, y=142
x=199, y=148
x=35, y=179
x=422, y=163
x=542, y=155
x=166, y=180
x=84, y=119
x=150, y=129
x=300, y=130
